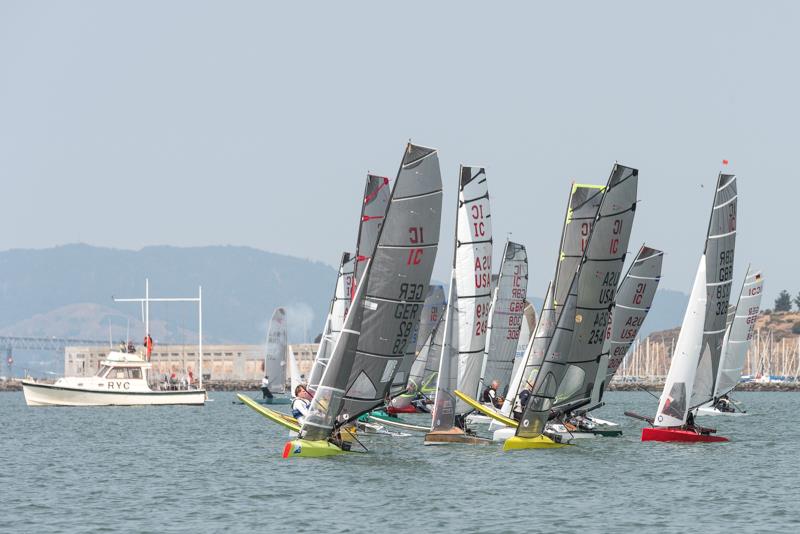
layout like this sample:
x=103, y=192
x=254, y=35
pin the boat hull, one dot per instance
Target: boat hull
x=710, y=410
x=678, y=435
x=50, y=395
x=453, y=435
x=303, y=448
x=392, y=410
x=515, y=443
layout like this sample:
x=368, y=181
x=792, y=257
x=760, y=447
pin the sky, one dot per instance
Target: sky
x=127, y=124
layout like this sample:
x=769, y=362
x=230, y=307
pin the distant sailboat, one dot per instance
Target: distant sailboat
x=738, y=337
x=275, y=354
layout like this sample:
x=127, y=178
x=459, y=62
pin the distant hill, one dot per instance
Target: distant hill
x=67, y=290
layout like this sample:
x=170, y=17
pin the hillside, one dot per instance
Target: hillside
x=67, y=291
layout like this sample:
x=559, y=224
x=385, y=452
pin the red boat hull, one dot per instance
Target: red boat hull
x=676, y=434
x=391, y=410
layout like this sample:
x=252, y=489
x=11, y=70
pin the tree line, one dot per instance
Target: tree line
x=784, y=302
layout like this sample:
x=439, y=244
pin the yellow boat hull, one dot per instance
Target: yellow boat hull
x=310, y=449
x=540, y=442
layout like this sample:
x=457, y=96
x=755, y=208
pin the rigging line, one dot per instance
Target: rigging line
x=353, y=435
x=648, y=392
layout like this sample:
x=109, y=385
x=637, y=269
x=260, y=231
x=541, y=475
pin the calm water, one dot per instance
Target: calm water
x=183, y=469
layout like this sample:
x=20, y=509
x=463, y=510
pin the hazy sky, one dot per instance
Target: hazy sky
x=128, y=124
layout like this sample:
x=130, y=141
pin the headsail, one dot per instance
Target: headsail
x=340, y=304
x=739, y=334
x=275, y=356
x=472, y=267
x=690, y=383
x=506, y=316
x=373, y=354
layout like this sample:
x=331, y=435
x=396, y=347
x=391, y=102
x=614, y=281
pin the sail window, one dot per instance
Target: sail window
x=571, y=383
x=675, y=405
x=362, y=388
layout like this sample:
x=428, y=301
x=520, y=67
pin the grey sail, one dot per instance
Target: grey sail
x=444, y=405
x=634, y=298
x=275, y=356
x=373, y=211
x=739, y=334
x=506, y=316
x=598, y=276
x=525, y=374
x=340, y=304
x=432, y=313
x=373, y=354
x=553, y=370
x=584, y=202
x=425, y=369
x=719, y=254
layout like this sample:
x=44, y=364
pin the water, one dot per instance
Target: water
x=215, y=468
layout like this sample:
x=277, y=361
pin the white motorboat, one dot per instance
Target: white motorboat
x=121, y=381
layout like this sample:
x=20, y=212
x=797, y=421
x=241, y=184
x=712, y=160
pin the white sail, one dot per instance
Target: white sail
x=673, y=404
x=473, y=277
x=506, y=317
x=275, y=355
x=340, y=304
x=739, y=334
x=295, y=378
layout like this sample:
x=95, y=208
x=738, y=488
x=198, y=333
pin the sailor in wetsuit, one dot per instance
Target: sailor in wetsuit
x=490, y=395
x=301, y=404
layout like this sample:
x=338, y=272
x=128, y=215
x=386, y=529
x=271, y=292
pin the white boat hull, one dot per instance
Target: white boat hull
x=710, y=410
x=50, y=395
x=504, y=433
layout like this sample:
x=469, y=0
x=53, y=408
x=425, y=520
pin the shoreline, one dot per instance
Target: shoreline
x=246, y=385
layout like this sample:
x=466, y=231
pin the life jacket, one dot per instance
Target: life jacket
x=297, y=413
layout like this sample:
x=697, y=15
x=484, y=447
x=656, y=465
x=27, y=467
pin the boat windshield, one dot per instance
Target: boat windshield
x=121, y=373
x=102, y=371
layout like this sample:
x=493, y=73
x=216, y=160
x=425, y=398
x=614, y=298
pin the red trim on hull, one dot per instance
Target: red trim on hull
x=391, y=410
x=676, y=434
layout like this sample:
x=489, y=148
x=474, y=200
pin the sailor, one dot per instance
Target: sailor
x=301, y=403
x=689, y=420
x=490, y=395
x=520, y=403
x=265, y=388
